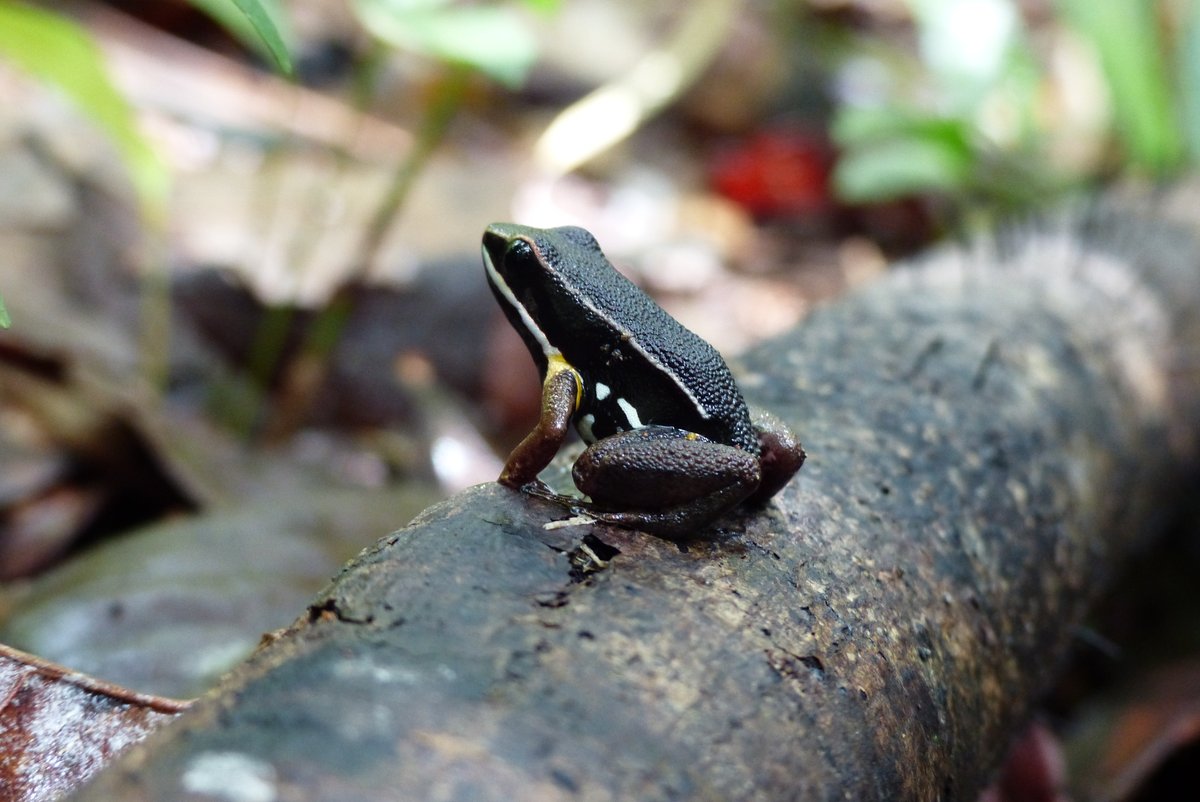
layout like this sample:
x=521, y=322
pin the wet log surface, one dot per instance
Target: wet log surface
x=990, y=432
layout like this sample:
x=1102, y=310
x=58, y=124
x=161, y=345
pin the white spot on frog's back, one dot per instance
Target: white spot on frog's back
x=231, y=776
x=602, y=391
x=631, y=414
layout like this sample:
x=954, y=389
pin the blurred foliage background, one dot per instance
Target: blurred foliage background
x=239, y=245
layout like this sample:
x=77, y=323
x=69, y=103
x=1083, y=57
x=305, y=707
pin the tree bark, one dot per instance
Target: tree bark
x=989, y=433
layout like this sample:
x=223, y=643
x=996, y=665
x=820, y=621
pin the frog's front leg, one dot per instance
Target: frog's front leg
x=560, y=395
x=664, y=480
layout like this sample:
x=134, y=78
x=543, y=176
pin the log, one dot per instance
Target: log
x=990, y=432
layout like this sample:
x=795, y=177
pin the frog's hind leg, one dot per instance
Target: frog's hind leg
x=663, y=480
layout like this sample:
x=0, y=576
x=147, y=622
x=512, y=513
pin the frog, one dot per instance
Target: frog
x=671, y=445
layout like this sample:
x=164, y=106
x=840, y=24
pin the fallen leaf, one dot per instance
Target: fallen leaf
x=59, y=727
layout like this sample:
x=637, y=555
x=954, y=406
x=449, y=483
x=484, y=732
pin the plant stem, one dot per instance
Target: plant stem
x=155, y=307
x=309, y=367
x=433, y=129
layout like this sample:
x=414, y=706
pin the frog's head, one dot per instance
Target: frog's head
x=526, y=268
x=521, y=255
x=513, y=255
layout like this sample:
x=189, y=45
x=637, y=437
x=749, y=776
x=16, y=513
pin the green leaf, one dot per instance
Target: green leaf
x=855, y=126
x=493, y=40
x=544, y=6
x=891, y=152
x=5, y=320
x=1125, y=35
x=60, y=52
x=256, y=23
x=1189, y=81
x=898, y=167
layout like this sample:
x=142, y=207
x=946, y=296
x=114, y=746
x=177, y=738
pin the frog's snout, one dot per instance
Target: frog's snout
x=495, y=243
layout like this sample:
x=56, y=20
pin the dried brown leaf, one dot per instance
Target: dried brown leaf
x=59, y=727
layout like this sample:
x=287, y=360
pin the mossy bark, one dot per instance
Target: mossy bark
x=989, y=433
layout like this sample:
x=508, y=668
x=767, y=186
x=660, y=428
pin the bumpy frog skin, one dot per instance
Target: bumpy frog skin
x=671, y=443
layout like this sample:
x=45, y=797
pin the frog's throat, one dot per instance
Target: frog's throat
x=549, y=351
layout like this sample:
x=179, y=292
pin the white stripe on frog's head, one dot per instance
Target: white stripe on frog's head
x=532, y=327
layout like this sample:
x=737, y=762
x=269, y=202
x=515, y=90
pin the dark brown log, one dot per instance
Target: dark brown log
x=989, y=434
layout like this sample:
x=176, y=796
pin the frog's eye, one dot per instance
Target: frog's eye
x=518, y=251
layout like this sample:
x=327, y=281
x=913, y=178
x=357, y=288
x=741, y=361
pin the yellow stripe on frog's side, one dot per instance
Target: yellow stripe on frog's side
x=556, y=363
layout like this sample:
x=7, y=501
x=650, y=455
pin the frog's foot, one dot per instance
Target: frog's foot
x=678, y=523
x=534, y=487
x=674, y=523
x=539, y=489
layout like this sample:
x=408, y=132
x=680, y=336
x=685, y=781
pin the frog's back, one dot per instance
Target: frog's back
x=652, y=368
